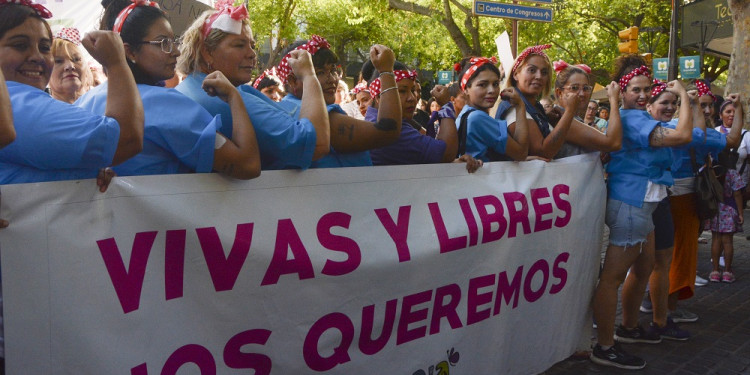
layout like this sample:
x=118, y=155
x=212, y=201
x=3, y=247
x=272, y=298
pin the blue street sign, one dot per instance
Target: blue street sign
x=690, y=67
x=519, y=12
x=445, y=77
x=661, y=68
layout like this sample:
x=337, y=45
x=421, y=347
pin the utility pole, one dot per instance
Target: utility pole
x=672, y=54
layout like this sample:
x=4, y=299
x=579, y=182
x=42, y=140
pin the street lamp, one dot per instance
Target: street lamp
x=705, y=38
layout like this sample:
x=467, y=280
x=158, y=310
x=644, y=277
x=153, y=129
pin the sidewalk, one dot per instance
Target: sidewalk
x=720, y=342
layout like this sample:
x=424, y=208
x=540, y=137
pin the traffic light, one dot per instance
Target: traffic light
x=628, y=40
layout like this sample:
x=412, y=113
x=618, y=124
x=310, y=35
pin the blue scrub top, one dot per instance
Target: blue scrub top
x=55, y=141
x=179, y=136
x=704, y=143
x=483, y=133
x=637, y=163
x=284, y=142
x=293, y=104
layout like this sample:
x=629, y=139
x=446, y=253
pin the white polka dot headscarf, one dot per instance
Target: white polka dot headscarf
x=39, y=9
x=120, y=20
x=315, y=44
x=71, y=34
x=475, y=62
x=639, y=71
x=399, y=75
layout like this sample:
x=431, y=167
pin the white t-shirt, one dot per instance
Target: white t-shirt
x=510, y=115
x=744, y=150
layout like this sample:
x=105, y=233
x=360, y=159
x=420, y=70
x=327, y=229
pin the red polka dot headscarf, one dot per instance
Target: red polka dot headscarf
x=657, y=88
x=475, y=62
x=399, y=74
x=642, y=70
x=362, y=86
x=266, y=73
x=120, y=20
x=533, y=50
x=703, y=89
x=39, y=9
x=315, y=44
x=561, y=65
x=71, y=34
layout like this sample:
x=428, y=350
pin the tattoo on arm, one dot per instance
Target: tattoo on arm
x=657, y=136
x=344, y=129
x=386, y=125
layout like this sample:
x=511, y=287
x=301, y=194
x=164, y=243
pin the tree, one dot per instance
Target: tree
x=739, y=64
x=274, y=21
x=442, y=11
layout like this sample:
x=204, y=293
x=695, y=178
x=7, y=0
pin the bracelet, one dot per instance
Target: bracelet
x=388, y=73
x=388, y=89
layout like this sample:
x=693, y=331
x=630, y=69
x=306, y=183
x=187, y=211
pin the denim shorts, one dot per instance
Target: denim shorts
x=629, y=225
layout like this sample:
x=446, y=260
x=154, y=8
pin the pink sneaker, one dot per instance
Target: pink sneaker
x=727, y=277
x=714, y=277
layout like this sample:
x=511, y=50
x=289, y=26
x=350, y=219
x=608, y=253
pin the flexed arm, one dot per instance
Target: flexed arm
x=313, y=103
x=123, y=100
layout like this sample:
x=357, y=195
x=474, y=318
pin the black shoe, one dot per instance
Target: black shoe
x=636, y=335
x=616, y=357
x=670, y=331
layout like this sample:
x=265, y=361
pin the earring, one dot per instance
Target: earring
x=210, y=68
x=132, y=61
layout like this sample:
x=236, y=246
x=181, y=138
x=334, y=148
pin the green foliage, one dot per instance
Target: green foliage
x=583, y=31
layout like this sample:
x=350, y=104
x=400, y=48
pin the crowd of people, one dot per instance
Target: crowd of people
x=61, y=120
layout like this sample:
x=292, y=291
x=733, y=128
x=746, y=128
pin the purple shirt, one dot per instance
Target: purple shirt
x=411, y=147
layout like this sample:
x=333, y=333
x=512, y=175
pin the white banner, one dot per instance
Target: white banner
x=419, y=269
x=85, y=14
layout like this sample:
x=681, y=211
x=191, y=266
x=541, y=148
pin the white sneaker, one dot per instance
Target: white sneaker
x=699, y=281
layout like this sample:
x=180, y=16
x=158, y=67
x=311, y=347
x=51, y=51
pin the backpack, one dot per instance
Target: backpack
x=491, y=154
x=708, y=189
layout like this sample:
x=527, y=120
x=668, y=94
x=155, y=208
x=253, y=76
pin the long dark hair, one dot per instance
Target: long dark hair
x=133, y=31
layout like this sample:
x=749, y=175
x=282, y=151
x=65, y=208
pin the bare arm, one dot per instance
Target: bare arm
x=351, y=135
x=517, y=146
x=735, y=133
x=7, y=131
x=683, y=134
x=585, y=136
x=548, y=147
x=738, y=201
x=240, y=156
x=313, y=105
x=123, y=100
x=449, y=135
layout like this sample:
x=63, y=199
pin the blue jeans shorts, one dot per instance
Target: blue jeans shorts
x=629, y=225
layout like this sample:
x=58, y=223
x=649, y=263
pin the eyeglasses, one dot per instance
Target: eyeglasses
x=575, y=88
x=167, y=44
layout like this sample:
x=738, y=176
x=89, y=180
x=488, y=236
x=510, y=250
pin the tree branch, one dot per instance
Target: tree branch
x=412, y=7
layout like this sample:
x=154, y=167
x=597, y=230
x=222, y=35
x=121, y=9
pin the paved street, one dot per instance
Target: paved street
x=720, y=342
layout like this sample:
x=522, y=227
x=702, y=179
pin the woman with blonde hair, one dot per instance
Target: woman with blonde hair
x=69, y=70
x=222, y=41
